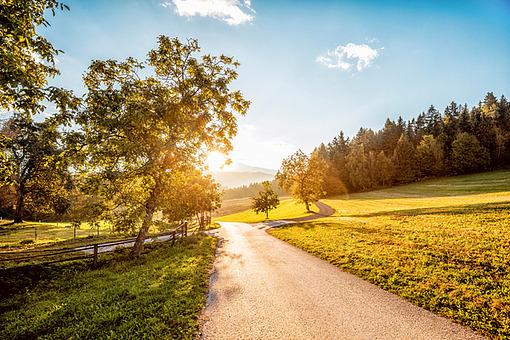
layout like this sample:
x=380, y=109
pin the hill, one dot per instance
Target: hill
x=231, y=179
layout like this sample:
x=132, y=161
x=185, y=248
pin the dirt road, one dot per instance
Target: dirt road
x=264, y=288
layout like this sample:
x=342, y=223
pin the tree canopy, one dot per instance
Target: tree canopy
x=34, y=162
x=139, y=135
x=303, y=177
x=26, y=58
x=265, y=200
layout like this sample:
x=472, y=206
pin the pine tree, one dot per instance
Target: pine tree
x=404, y=159
x=468, y=155
x=357, y=164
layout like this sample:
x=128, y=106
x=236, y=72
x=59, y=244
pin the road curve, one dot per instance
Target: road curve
x=264, y=288
x=324, y=211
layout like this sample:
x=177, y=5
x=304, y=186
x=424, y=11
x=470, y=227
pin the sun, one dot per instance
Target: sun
x=216, y=160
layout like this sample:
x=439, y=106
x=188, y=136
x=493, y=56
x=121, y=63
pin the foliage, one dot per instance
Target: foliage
x=431, y=145
x=35, y=164
x=302, y=177
x=440, y=244
x=468, y=155
x=195, y=194
x=28, y=59
x=157, y=296
x=140, y=135
x=265, y=200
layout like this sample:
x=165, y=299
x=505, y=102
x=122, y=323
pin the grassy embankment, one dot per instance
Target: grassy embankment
x=158, y=296
x=287, y=209
x=442, y=244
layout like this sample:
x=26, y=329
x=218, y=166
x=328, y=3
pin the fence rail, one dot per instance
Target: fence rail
x=94, y=249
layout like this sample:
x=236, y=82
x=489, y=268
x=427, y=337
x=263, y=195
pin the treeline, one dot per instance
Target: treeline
x=457, y=141
x=251, y=191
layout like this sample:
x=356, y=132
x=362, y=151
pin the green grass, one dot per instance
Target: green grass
x=15, y=234
x=158, y=296
x=287, y=209
x=440, y=244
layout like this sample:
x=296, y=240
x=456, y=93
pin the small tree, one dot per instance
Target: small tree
x=303, y=177
x=265, y=200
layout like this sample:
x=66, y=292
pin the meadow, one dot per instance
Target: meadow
x=157, y=296
x=441, y=244
x=44, y=233
x=288, y=208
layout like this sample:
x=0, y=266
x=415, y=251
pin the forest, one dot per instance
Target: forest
x=456, y=141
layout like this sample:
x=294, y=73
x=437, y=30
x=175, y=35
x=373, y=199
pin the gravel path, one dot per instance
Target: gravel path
x=264, y=288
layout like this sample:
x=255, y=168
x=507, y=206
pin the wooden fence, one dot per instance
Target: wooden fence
x=91, y=250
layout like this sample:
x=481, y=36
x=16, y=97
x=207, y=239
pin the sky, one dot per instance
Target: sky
x=310, y=68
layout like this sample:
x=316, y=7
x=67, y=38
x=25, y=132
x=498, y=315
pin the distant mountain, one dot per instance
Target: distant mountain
x=230, y=179
x=238, y=174
x=240, y=167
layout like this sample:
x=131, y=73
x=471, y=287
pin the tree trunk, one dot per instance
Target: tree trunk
x=307, y=206
x=267, y=214
x=150, y=207
x=20, y=204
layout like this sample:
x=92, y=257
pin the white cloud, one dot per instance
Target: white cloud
x=230, y=11
x=345, y=57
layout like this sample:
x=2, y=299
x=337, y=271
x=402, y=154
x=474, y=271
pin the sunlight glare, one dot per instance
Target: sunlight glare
x=216, y=161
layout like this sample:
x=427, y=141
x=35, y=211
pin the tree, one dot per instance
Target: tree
x=265, y=200
x=302, y=177
x=383, y=170
x=139, y=135
x=468, y=155
x=26, y=58
x=430, y=157
x=404, y=159
x=357, y=164
x=34, y=163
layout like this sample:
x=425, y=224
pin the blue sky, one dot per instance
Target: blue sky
x=310, y=68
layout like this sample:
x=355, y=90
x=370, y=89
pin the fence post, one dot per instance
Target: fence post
x=95, y=255
x=74, y=231
x=185, y=229
x=173, y=237
x=35, y=233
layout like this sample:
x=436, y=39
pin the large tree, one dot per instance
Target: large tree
x=140, y=133
x=34, y=162
x=30, y=154
x=303, y=177
x=265, y=200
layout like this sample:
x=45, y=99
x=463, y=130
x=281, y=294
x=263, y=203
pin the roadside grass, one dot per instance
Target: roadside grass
x=158, y=296
x=445, y=249
x=287, y=209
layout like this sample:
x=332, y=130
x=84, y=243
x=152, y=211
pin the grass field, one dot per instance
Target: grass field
x=233, y=206
x=158, y=296
x=442, y=244
x=12, y=235
x=287, y=209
